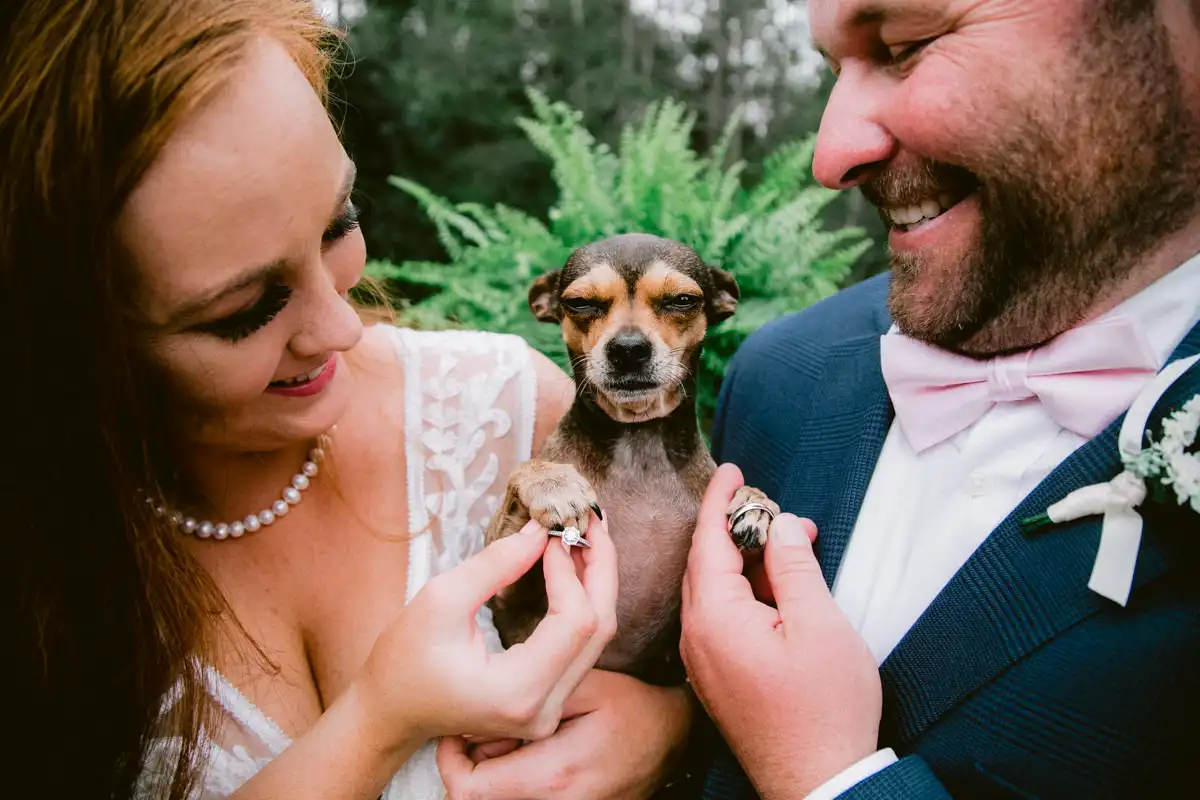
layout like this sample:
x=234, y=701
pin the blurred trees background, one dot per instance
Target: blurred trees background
x=436, y=87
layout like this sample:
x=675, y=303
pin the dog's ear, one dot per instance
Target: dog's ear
x=723, y=299
x=543, y=297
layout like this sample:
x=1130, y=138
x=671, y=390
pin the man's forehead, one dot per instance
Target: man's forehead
x=831, y=19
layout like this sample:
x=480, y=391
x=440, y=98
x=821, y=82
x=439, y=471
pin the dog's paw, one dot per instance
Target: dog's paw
x=555, y=495
x=749, y=530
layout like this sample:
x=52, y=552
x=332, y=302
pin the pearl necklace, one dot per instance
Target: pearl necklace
x=291, y=495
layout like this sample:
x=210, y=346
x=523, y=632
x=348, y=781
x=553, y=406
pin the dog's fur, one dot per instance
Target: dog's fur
x=630, y=442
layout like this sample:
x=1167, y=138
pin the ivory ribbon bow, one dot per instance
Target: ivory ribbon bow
x=1117, y=500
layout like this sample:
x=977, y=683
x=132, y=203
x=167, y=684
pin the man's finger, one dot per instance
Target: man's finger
x=454, y=763
x=713, y=551
x=792, y=568
x=520, y=775
x=592, y=692
x=500, y=747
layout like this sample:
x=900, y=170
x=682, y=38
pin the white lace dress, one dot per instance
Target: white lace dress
x=469, y=401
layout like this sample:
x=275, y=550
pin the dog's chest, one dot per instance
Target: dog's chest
x=650, y=506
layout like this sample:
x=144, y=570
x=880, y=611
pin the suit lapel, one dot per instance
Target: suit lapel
x=1017, y=591
x=851, y=406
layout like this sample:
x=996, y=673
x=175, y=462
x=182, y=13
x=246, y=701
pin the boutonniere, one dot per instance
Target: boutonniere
x=1166, y=471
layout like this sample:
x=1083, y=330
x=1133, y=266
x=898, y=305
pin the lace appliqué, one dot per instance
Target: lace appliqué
x=468, y=426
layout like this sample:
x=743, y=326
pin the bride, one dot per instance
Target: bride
x=245, y=524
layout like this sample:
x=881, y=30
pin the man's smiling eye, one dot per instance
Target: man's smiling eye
x=899, y=54
x=582, y=305
x=681, y=302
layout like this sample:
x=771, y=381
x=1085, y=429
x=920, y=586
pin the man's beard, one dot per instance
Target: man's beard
x=1071, y=197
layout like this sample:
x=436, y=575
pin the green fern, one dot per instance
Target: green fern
x=769, y=235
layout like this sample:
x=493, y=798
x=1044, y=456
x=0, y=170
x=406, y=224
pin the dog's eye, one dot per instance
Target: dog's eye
x=582, y=305
x=681, y=302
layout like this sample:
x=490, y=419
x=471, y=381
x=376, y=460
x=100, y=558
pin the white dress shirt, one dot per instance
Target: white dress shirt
x=925, y=513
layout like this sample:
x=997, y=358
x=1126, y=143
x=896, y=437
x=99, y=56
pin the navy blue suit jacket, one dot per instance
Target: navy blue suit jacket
x=1018, y=681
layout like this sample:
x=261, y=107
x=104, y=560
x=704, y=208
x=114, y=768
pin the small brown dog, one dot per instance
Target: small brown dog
x=634, y=311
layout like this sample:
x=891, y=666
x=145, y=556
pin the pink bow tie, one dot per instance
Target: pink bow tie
x=1085, y=378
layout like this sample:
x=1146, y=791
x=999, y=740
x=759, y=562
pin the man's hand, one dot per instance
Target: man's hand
x=618, y=739
x=794, y=689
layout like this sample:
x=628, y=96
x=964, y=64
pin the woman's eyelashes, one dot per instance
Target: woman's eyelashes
x=243, y=323
x=344, y=225
x=240, y=325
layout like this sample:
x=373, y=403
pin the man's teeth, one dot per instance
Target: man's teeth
x=302, y=378
x=927, y=209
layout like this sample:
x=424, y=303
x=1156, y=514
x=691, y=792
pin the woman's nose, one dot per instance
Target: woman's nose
x=330, y=324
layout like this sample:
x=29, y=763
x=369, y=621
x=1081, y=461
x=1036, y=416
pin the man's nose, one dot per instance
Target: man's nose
x=851, y=143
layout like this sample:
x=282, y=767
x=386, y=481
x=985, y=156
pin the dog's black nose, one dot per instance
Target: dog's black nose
x=629, y=352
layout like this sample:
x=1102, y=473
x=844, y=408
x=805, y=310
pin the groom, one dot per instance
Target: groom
x=1038, y=166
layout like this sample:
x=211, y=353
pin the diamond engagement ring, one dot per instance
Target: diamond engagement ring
x=571, y=537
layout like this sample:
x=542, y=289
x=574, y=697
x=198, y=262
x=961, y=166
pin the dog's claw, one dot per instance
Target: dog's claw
x=599, y=513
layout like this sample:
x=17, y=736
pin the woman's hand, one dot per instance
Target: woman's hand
x=430, y=673
x=619, y=739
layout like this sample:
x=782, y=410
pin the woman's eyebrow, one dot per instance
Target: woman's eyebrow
x=250, y=277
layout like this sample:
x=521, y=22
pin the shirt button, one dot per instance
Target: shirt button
x=977, y=485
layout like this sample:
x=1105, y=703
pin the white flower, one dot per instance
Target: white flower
x=1147, y=463
x=1168, y=460
x=1183, y=474
x=1179, y=429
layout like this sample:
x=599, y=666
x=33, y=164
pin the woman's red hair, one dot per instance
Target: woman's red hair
x=108, y=607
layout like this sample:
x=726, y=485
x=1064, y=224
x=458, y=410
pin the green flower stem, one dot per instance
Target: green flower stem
x=1036, y=523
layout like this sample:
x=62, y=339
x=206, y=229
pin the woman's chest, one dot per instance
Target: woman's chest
x=310, y=633
x=316, y=597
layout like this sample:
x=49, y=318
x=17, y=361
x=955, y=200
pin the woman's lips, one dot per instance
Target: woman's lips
x=310, y=385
